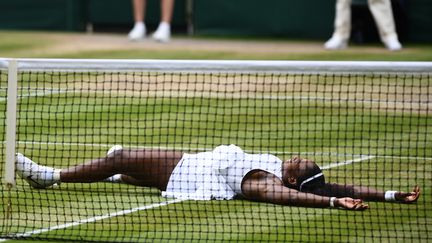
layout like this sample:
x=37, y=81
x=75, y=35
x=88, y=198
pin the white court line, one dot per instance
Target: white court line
x=124, y=212
x=333, y=165
x=36, y=94
x=178, y=148
x=224, y=95
x=94, y=219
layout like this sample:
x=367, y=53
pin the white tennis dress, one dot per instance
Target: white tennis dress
x=217, y=174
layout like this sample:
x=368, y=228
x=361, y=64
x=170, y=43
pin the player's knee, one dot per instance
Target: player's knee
x=115, y=154
x=118, y=157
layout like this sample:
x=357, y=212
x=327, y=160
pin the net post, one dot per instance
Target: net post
x=9, y=175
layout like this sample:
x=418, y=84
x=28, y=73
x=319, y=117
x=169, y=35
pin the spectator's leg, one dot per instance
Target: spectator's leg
x=139, y=30
x=167, y=8
x=342, y=26
x=163, y=32
x=383, y=15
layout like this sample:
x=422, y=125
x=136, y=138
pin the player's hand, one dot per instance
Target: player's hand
x=408, y=197
x=351, y=204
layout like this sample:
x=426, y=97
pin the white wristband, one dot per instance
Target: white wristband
x=332, y=201
x=390, y=196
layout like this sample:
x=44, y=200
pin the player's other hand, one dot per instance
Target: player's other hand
x=351, y=204
x=408, y=197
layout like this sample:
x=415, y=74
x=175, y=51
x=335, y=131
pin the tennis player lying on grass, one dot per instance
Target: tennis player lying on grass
x=223, y=173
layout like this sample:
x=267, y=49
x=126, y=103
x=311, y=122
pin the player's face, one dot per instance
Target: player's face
x=296, y=167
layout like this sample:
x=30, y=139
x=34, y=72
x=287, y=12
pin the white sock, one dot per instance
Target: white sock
x=138, y=31
x=163, y=32
x=139, y=24
x=48, y=174
x=114, y=179
x=164, y=26
x=56, y=175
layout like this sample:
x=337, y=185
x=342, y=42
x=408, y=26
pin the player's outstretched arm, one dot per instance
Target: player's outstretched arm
x=272, y=190
x=408, y=197
x=368, y=193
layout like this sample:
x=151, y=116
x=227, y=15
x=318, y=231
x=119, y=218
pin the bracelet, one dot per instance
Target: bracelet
x=332, y=201
x=390, y=196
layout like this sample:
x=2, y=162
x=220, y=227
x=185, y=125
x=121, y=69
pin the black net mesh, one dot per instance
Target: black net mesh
x=371, y=130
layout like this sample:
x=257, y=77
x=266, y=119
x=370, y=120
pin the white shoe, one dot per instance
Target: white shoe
x=336, y=43
x=163, y=33
x=37, y=176
x=392, y=43
x=138, y=32
x=114, y=148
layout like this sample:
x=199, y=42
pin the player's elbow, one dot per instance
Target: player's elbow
x=273, y=194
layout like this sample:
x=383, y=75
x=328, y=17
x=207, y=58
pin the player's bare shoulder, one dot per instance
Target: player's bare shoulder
x=260, y=176
x=257, y=182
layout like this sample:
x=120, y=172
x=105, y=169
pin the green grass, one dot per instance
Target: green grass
x=66, y=128
x=37, y=45
x=356, y=53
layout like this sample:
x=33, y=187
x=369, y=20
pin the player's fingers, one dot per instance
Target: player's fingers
x=358, y=205
x=412, y=198
x=364, y=207
x=358, y=201
x=417, y=194
x=361, y=206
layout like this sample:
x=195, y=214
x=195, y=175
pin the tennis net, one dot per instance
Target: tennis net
x=363, y=123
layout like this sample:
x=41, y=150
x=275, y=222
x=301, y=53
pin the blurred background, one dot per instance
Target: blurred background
x=209, y=29
x=311, y=19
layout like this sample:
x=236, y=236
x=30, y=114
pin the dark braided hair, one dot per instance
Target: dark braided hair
x=311, y=180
